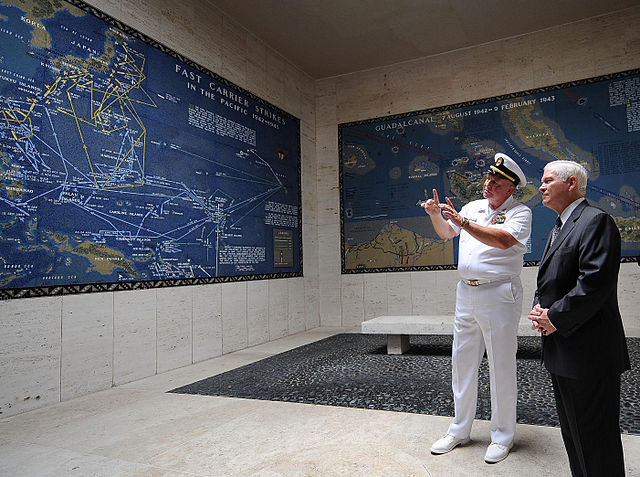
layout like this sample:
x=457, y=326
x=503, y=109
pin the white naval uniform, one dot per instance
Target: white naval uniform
x=487, y=317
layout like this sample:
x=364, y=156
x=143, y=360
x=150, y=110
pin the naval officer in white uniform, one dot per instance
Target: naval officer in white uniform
x=493, y=235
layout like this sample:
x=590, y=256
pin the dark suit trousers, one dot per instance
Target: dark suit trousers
x=589, y=413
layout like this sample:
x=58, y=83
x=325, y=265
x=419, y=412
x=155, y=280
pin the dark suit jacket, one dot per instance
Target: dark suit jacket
x=577, y=282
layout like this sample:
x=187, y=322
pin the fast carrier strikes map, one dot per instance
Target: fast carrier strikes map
x=119, y=162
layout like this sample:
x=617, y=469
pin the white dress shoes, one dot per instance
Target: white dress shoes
x=496, y=453
x=447, y=444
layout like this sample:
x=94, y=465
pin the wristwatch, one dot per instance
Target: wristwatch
x=464, y=222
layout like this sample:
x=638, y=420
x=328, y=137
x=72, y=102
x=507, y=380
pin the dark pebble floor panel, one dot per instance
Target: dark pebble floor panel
x=353, y=370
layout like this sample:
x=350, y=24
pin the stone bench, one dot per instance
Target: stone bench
x=399, y=328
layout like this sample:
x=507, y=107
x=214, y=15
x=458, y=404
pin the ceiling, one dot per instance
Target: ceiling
x=332, y=37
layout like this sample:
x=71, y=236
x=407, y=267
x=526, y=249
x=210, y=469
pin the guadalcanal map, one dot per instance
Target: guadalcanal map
x=121, y=163
x=388, y=165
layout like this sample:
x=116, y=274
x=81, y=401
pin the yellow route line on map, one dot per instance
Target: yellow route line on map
x=116, y=92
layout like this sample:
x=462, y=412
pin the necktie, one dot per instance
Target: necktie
x=555, y=231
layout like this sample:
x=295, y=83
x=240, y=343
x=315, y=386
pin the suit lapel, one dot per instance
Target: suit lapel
x=564, y=232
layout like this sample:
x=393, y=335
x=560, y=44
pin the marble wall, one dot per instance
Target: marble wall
x=583, y=49
x=366, y=296
x=58, y=348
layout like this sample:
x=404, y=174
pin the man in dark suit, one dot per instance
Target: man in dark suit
x=576, y=310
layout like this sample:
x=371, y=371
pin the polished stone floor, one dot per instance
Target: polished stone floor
x=140, y=429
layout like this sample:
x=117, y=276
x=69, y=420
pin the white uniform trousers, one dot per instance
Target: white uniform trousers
x=487, y=318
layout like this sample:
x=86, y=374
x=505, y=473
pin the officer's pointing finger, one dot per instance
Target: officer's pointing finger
x=449, y=202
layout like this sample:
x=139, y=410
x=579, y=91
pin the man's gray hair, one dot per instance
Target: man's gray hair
x=566, y=169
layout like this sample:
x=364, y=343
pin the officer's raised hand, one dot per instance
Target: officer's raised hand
x=432, y=206
x=449, y=212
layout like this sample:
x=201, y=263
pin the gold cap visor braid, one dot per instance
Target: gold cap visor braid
x=504, y=174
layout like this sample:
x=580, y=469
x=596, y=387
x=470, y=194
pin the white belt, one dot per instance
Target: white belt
x=475, y=283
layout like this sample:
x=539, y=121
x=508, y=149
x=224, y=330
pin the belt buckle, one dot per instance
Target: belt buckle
x=474, y=283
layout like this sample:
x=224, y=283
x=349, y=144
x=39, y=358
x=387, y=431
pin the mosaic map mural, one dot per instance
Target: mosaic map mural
x=388, y=165
x=122, y=162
